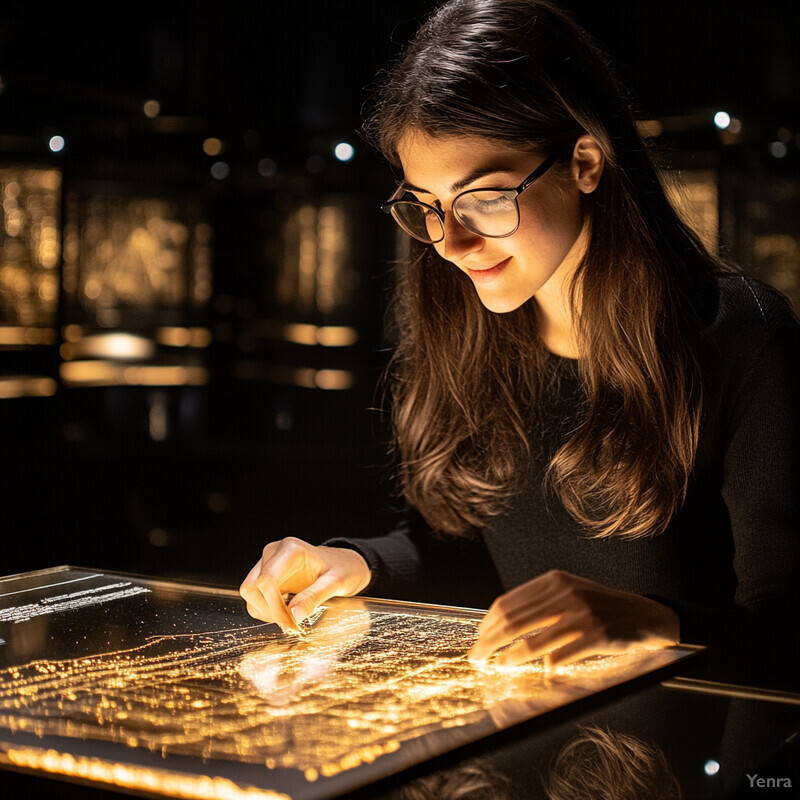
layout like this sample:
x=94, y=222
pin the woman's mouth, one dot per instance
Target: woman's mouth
x=488, y=274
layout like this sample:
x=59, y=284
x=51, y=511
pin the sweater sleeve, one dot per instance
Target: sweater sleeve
x=755, y=640
x=416, y=564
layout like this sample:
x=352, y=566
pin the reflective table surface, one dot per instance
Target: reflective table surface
x=118, y=682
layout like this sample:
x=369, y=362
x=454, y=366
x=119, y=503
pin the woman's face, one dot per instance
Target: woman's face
x=550, y=239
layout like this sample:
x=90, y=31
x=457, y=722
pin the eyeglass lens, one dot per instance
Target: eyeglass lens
x=418, y=221
x=488, y=213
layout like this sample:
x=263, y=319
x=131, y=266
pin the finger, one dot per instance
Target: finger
x=539, y=591
x=520, y=613
x=500, y=635
x=258, y=613
x=287, y=565
x=534, y=647
x=256, y=605
x=273, y=597
x=261, y=606
x=519, y=622
x=580, y=648
x=305, y=603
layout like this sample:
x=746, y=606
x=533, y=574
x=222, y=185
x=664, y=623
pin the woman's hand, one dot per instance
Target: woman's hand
x=313, y=574
x=565, y=618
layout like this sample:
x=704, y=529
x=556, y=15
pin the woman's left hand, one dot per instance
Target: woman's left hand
x=566, y=618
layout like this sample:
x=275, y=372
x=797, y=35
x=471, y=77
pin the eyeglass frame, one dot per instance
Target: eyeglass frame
x=515, y=193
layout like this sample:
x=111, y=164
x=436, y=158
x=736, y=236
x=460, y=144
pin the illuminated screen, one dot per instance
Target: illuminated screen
x=166, y=688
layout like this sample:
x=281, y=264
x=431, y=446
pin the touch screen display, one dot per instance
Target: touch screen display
x=172, y=689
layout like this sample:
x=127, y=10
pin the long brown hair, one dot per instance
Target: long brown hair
x=464, y=379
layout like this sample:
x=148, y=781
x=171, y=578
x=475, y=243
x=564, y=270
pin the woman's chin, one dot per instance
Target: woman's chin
x=502, y=303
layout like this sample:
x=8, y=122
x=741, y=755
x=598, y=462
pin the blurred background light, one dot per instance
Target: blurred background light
x=117, y=346
x=344, y=151
x=267, y=167
x=26, y=386
x=735, y=126
x=711, y=767
x=778, y=149
x=212, y=146
x=151, y=108
x=722, y=119
x=56, y=143
x=220, y=170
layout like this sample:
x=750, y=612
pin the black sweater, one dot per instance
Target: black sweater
x=729, y=562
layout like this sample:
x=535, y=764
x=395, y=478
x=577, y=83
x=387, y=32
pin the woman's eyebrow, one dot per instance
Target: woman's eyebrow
x=460, y=184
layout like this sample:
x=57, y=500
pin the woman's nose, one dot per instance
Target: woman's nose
x=458, y=241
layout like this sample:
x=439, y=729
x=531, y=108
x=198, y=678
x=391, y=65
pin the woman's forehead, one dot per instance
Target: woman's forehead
x=444, y=164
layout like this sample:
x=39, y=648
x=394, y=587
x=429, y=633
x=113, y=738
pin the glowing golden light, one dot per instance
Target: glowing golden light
x=184, y=337
x=24, y=337
x=315, y=272
x=307, y=334
x=30, y=243
x=334, y=379
x=117, y=346
x=108, y=373
x=307, y=377
x=212, y=146
x=183, y=677
x=72, y=333
x=650, y=128
x=300, y=333
x=337, y=336
x=27, y=386
x=128, y=776
x=259, y=688
x=124, y=254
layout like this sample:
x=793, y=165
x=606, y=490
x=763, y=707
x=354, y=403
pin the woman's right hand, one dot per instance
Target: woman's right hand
x=313, y=574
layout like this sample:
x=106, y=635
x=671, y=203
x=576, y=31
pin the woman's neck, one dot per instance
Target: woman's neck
x=557, y=327
x=556, y=330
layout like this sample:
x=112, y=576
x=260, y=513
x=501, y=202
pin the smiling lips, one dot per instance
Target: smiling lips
x=488, y=274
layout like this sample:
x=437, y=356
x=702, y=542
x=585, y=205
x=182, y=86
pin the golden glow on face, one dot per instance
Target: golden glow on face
x=508, y=271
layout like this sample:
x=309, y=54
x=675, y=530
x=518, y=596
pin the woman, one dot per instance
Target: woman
x=580, y=391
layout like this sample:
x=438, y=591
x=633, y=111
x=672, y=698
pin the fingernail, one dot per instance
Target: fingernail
x=476, y=656
x=298, y=615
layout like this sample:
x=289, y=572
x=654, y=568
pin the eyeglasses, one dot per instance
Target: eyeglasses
x=493, y=213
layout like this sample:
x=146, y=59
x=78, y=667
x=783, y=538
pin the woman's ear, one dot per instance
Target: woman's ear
x=587, y=163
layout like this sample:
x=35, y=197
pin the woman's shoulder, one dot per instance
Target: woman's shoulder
x=755, y=331
x=747, y=305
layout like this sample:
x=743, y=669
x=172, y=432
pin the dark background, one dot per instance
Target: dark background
x=249, y=460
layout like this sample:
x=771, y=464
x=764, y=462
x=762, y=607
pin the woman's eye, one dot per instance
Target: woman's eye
x=488, y=202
